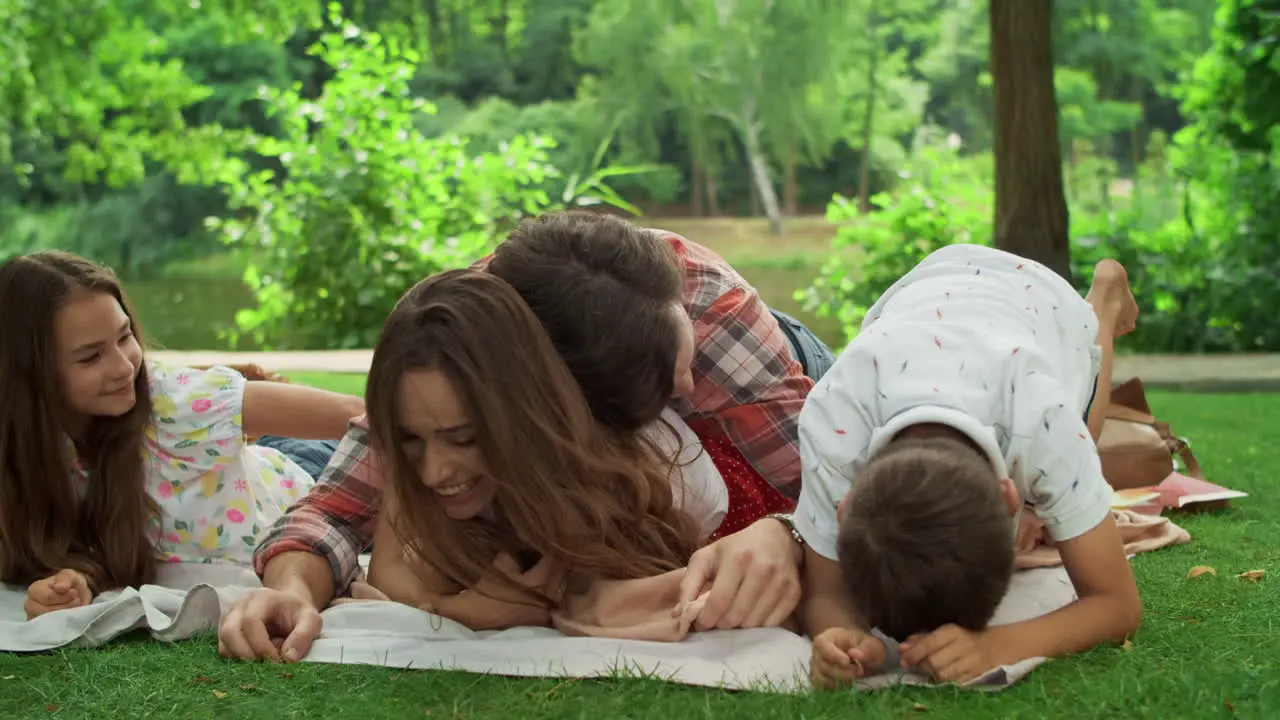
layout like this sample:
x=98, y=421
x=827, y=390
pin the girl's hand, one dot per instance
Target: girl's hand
x=64, y=590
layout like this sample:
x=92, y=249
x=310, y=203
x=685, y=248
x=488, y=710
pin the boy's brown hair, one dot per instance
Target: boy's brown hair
x=926, y=538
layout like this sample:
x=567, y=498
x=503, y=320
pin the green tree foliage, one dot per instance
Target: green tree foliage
x=362, y=188
x=93, y=79
x=1231, y=157
x=124, y=124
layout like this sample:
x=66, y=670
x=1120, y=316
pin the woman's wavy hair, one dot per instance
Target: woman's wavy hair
x=597, y=500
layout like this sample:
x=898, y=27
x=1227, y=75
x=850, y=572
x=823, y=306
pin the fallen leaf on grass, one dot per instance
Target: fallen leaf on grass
x=1127, y=646
x=51, y=708
x=202, y=680
x=286, y=675
x=918, y=707
x=219, y=694
x=1227, y=704
x=1253, y=575
x=248, y=687
x=1199, y=570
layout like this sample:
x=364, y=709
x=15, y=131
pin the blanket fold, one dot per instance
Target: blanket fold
x=642, y=609
x=611, y=629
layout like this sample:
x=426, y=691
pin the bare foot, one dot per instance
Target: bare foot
x=1113, y=297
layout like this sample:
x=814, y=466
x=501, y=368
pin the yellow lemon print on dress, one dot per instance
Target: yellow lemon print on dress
x=200, y=433
x=209, y=538
x=163, y=405
x=210, y=484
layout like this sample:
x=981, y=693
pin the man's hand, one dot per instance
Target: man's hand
x=267, y=624
x=842, y=655
x=753, y=575
x=949, y=654
x=61, y=591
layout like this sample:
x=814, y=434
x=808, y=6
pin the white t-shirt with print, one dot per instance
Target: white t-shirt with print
x=998, y=347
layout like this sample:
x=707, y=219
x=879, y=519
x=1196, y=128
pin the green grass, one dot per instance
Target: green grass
x=1208, y=647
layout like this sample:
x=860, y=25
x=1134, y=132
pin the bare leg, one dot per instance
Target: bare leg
x=1117, y=312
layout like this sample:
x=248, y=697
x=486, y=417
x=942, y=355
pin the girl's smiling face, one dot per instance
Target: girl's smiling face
x=439, y=440
x=98, y=356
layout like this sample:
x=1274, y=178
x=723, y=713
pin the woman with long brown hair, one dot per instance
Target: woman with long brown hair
x=110, y=463
x=499, y=479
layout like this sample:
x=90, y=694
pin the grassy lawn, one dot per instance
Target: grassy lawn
x=1208, y=646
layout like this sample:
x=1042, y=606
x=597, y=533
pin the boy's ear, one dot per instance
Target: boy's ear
x=1011, y=497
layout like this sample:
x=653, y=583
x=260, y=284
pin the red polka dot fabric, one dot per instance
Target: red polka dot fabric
x=751, y=497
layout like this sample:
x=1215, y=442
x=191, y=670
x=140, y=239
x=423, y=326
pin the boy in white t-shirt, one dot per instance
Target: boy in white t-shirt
x=966, y=396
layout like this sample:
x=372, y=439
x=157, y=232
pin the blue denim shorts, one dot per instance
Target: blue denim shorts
x=813, y=355
x=310, y=455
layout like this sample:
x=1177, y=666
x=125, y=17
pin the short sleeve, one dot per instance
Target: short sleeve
x=1067, y=489
x=836, y=428
x=197, y=417
x=698, y=488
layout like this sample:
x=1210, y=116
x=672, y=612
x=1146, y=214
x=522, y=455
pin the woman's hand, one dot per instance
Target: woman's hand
x=493, y=605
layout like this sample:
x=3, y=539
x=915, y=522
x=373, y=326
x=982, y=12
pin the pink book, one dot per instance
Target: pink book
x=1179, y=491
x=1176, y=491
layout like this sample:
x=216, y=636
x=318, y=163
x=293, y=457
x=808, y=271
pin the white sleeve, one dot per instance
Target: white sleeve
x=696, y=484
x=1068, y=491
x=835, y=432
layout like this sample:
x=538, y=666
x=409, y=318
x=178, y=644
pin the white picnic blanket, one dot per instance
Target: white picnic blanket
x=189, y=599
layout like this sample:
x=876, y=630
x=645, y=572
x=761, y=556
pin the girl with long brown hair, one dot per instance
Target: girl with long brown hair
x=110, y=463
x=499, y=480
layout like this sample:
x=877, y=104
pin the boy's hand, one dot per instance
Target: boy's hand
x=950, y=654
x=843, y=654
x=61, y=591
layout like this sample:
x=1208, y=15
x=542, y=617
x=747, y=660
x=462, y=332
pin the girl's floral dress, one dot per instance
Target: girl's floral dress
x=215, y=491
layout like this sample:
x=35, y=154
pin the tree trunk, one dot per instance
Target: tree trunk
x=435, y=32
x=759, y=170
x=1031, y=209
x=713, y=195
x=1135, y=133
x=868, y=120
x=695, y=188
x=790, y=187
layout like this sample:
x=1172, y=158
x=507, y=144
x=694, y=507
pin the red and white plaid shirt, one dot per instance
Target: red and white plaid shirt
x=744, y=379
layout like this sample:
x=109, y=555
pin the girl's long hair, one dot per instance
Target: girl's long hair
x=44, y=525
x=598, y=501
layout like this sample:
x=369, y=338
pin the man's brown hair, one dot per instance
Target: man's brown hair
x=45, y=526
x=926, y=538
x=606, y=292
x=597, y=501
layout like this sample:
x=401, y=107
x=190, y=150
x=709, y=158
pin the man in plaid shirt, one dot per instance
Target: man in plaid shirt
x=741, y=375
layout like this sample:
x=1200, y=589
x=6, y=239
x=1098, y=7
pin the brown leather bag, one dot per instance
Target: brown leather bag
x=1136, y=449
